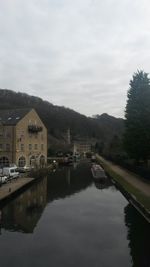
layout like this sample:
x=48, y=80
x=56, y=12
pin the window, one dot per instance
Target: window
x=32, y=161
x=42, y=161
x=22, y=147
x=21, y=162
x=7, y=147
x=4, y=162
x=42, y=147
x=8, y=134
x=30, y=146
x=1, y=147
x=35, y=146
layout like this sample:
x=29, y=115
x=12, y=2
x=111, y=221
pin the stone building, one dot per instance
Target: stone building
x=82, y=146
x=23, y=138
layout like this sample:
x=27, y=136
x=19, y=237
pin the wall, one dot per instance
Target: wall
x=7, y=141
x=24, y=139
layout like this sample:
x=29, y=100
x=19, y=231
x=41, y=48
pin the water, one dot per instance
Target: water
x=67, y=220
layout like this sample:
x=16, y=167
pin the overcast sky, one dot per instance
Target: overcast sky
x=75, y=53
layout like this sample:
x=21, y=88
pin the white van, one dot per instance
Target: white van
x=10, y=172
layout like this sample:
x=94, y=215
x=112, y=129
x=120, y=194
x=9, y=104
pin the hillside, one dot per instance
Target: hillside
x=109, y=123
x=58, y=119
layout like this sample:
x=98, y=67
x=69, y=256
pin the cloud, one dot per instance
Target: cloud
x=79, y=54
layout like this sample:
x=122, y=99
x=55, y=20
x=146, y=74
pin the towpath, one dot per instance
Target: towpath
x=130, y=177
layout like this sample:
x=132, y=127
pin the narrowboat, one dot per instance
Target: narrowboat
x=98, y=172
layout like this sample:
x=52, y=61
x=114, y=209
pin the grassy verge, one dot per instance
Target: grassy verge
x=143, y=199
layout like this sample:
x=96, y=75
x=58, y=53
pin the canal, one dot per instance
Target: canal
x=66, y=219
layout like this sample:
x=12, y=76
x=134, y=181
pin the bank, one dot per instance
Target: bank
x=12, y=188
x=132, y=186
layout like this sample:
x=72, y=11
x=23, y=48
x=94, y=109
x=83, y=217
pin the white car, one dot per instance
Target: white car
x=3, y=179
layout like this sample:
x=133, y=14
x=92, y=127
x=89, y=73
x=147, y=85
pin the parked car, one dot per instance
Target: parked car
x=59, y=154
x=13, y=165
x=3, y=179
x=10, y=172
x=24, y=169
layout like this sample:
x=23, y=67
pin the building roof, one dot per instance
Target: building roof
x=12, y=116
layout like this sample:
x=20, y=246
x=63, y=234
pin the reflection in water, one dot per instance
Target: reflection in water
x=68, y=177
x=23, y=213
x=85, y=229
x=68, y=181
x=102, y=184
x=138, y=236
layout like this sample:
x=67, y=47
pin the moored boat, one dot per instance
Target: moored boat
x=98, y=172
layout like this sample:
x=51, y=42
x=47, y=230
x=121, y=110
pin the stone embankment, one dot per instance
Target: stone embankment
x=132, y=186
x=12, y=187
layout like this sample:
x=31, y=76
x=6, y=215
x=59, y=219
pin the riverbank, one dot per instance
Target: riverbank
x=12, y=187
x=137, y=191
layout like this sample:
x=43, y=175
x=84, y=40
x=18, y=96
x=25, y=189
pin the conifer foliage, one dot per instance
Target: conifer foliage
x=137, y=114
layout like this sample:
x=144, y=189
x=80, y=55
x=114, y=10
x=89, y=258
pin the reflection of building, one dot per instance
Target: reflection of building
x=68, y=181
x=82, y=147
x=23, y=138
x=23, y=213
x=68, y=137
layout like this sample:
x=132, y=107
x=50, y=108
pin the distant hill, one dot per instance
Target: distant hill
x=109, y=123
x=58, y=119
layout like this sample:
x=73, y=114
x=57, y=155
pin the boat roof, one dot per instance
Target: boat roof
x=97, y=166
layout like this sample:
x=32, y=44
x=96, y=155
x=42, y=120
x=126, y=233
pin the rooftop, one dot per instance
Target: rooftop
x=12, y=116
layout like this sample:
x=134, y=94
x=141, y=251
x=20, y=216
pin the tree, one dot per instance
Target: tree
x=115, y=148
x=99, y=146
x=137, y=114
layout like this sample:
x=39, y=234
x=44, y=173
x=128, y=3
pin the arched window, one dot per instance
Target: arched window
x=32, y=161
x=4, y=162
x=21, y=162
x=42, y=160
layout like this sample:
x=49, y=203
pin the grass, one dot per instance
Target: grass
x=143, y=199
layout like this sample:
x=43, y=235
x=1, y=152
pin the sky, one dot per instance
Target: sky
x=75, y=53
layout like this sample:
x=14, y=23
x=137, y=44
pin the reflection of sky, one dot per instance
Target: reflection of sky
x=74, y=50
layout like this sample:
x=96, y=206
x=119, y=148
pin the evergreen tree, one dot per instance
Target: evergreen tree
x=137, y=114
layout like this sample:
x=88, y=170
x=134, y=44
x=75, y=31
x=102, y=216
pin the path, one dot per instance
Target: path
x=130, y=177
